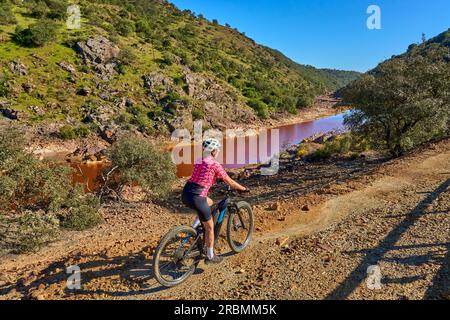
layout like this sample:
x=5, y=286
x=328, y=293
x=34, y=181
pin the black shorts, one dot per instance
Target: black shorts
x=191, y=198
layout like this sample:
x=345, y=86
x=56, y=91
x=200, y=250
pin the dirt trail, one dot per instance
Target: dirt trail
x=395, y=216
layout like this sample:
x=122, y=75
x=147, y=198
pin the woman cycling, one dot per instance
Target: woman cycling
x=195, y=193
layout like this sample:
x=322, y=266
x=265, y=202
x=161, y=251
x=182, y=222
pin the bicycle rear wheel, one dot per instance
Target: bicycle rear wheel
x=240, y=227
x=176, y=257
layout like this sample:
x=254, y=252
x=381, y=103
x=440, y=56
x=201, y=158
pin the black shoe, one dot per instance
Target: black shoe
x=214, y=260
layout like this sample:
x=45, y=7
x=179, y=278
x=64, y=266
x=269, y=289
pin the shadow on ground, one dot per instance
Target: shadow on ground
x=441, y=281
x=101, y=278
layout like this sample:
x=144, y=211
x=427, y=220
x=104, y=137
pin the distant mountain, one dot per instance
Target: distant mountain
x=143, y=64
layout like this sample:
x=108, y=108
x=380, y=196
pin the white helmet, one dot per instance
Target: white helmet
x=211, y=144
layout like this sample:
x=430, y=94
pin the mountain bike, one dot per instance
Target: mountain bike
x=180, y=251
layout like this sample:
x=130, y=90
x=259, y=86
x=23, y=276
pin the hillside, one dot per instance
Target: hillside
x=144, y=65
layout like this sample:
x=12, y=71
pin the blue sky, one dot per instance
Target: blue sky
x=329, y=33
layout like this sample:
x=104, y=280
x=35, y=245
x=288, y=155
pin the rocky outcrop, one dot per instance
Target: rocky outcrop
x=103, y=118
x=87, y=153
x=206, y=94
x=28, y=87
x=8, y=112
x=17, y=67
x=67, y=67
x=101, y=54
x=218, y=100
x=178, y=113
x=159, y=85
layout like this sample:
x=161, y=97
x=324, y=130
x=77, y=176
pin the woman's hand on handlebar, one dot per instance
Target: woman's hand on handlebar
x=233, y=184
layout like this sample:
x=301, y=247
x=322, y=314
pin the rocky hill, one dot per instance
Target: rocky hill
x=142, y=65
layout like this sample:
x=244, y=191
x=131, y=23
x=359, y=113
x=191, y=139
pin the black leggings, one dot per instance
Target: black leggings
x=192, y=200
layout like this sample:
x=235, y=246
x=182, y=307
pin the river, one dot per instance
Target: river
x=250, y=146
x=262, y=147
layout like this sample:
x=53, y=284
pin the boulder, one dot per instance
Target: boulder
x=28, y=87
x=85, y=91
x=109, y=133
x=159, y=86
x=67, y=67
x=100, y=53
x=88, y=153
x=16, y=66
x=8, y=112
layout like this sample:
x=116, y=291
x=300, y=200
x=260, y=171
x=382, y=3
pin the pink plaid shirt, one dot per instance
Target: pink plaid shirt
x=206, y=171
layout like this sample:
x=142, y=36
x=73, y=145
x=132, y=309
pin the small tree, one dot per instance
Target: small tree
x=36, y=35
x=33, y=194
x=134, y=160
x=6, y=15
x=403, y=102
x=4, y=87
x=125, y=27
x=260, y=108
x=28, y=231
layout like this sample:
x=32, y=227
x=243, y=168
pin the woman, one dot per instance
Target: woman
x=195, y=193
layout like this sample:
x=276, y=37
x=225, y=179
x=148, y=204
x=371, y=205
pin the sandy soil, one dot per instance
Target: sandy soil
x=394, y=215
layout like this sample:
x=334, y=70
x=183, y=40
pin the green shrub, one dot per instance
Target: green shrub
x=140, y=117
x=144, y=28
x=321, y=154
x=138, y=161
x=168, y=59
x=32, y=192
x=26, y=182
x=127, y=56
x=198, y=114
x=4, y=88
x=260, y=108
x=289, y=104
x=124, y=27
x=28, y=231
x=12, y=144
x=6, y=15
x=82, y=213
x=405, y=101
x=67, y=132
x=58, y=9
x=36, y=35
x=342, y=145
x=304, y=100
x=38, y=9
x=173, y=97
x=82, y=131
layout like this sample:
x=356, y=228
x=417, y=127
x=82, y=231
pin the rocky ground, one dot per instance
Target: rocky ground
x=318, y=228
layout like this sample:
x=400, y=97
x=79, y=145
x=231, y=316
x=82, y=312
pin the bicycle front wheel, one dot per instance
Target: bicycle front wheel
x=240, y=227
x=176, y=257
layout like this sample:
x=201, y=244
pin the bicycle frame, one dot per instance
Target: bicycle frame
x=220, y=212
